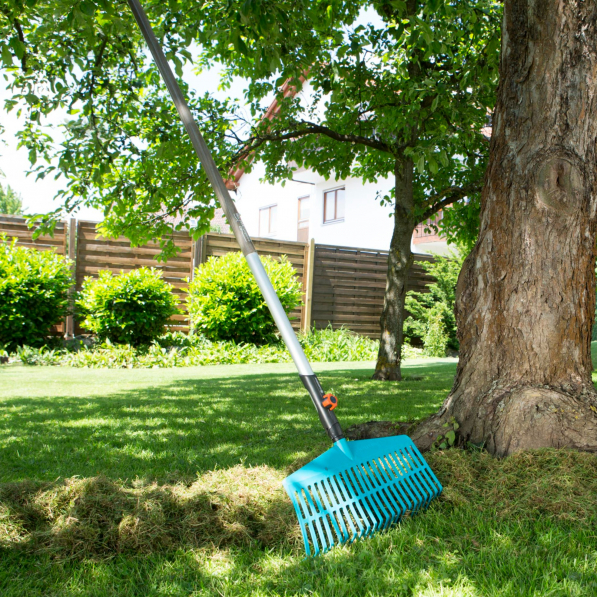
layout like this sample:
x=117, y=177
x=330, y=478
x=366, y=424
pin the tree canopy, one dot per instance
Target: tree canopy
x=418, y=83
x=10, y=201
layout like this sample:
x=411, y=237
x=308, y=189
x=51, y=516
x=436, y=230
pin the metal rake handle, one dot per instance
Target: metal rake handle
x=309, y=379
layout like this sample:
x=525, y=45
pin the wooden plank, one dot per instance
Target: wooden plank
x=28, y=234
x=88, y=233
x=135, y=262
x=87, y=271
x=21, y=223
x=92, y=246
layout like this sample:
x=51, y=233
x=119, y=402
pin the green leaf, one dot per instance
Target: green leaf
x=451, y=437
x=421, y=164
x=18, y=46
x=433, y=165
x=88, y=8
x=6, y=56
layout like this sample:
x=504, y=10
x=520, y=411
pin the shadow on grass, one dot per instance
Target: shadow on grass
x=194, y=425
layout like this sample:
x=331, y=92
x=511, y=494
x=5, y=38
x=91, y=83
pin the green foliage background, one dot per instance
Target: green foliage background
x=10, y=202
x=431, y=320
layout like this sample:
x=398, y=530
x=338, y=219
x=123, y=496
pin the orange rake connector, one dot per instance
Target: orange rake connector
x=329, y=401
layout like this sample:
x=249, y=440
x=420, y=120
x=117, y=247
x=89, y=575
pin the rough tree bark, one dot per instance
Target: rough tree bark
x=526, y=293
x=400, y=260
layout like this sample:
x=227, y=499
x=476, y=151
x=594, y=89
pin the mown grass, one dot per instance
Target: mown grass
x=521, y=526
x=170, y=424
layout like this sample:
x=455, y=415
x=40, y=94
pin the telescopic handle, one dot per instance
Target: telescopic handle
x=327, y=418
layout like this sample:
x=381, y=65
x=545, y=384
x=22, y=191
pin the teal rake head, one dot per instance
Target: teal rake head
x=355, y=489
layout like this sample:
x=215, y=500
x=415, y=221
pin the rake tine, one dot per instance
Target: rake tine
x=374, y=524
x=361, y=517
x=407, y=486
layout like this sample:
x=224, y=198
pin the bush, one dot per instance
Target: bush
x=437, y=304
x=130, y=308
x=436, y=338
x=33, y=293
x=225, y=302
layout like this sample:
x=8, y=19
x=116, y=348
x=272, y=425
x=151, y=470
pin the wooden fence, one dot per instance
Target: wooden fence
x=342, y=286
x=349, y=285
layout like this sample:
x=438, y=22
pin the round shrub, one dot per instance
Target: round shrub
x=225, y=302
x=33, y=294
x=128, y=308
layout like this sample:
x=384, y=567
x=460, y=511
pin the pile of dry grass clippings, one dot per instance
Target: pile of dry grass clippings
x=549, y=483
x=97, y=517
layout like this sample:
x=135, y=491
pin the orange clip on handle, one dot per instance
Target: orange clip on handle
x=329, y=401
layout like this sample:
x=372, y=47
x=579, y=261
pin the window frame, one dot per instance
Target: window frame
x=335, y=190
x=269, y=220
x=298, y=216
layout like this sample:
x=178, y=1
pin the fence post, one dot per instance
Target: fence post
x=72, y=255
x=199, y=250
x=309, y=271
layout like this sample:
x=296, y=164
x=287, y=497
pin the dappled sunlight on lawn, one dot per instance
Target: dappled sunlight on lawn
x=153, y=424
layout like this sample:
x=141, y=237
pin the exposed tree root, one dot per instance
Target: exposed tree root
x=504, y=421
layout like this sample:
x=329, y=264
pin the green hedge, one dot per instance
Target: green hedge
x=225, y=302
x=33, y=294
x=128, y=308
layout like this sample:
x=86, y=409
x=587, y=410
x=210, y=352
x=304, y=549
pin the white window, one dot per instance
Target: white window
x=267, y=220
x=333, y=206
x=303, y=220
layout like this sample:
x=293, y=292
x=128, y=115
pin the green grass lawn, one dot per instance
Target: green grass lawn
x=521, y=527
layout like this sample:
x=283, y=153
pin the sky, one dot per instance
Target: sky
x=38, y=195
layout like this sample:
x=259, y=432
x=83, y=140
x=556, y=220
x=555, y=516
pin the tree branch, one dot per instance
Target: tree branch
x=310, y=128
x=22, y=40
x=447, y=197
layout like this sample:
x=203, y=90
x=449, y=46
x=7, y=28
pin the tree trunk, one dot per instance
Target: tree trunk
x=526, y=294
x=400, y=261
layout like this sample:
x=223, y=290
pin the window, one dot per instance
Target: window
x=333, y=206
x=303, y=220
x=267, y=220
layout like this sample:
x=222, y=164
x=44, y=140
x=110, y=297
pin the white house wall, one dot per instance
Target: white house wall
x=366, y=223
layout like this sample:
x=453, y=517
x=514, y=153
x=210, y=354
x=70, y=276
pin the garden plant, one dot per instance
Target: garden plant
x=225, y=302
x=431, y=319
x=34, y=288
x=127, y=308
